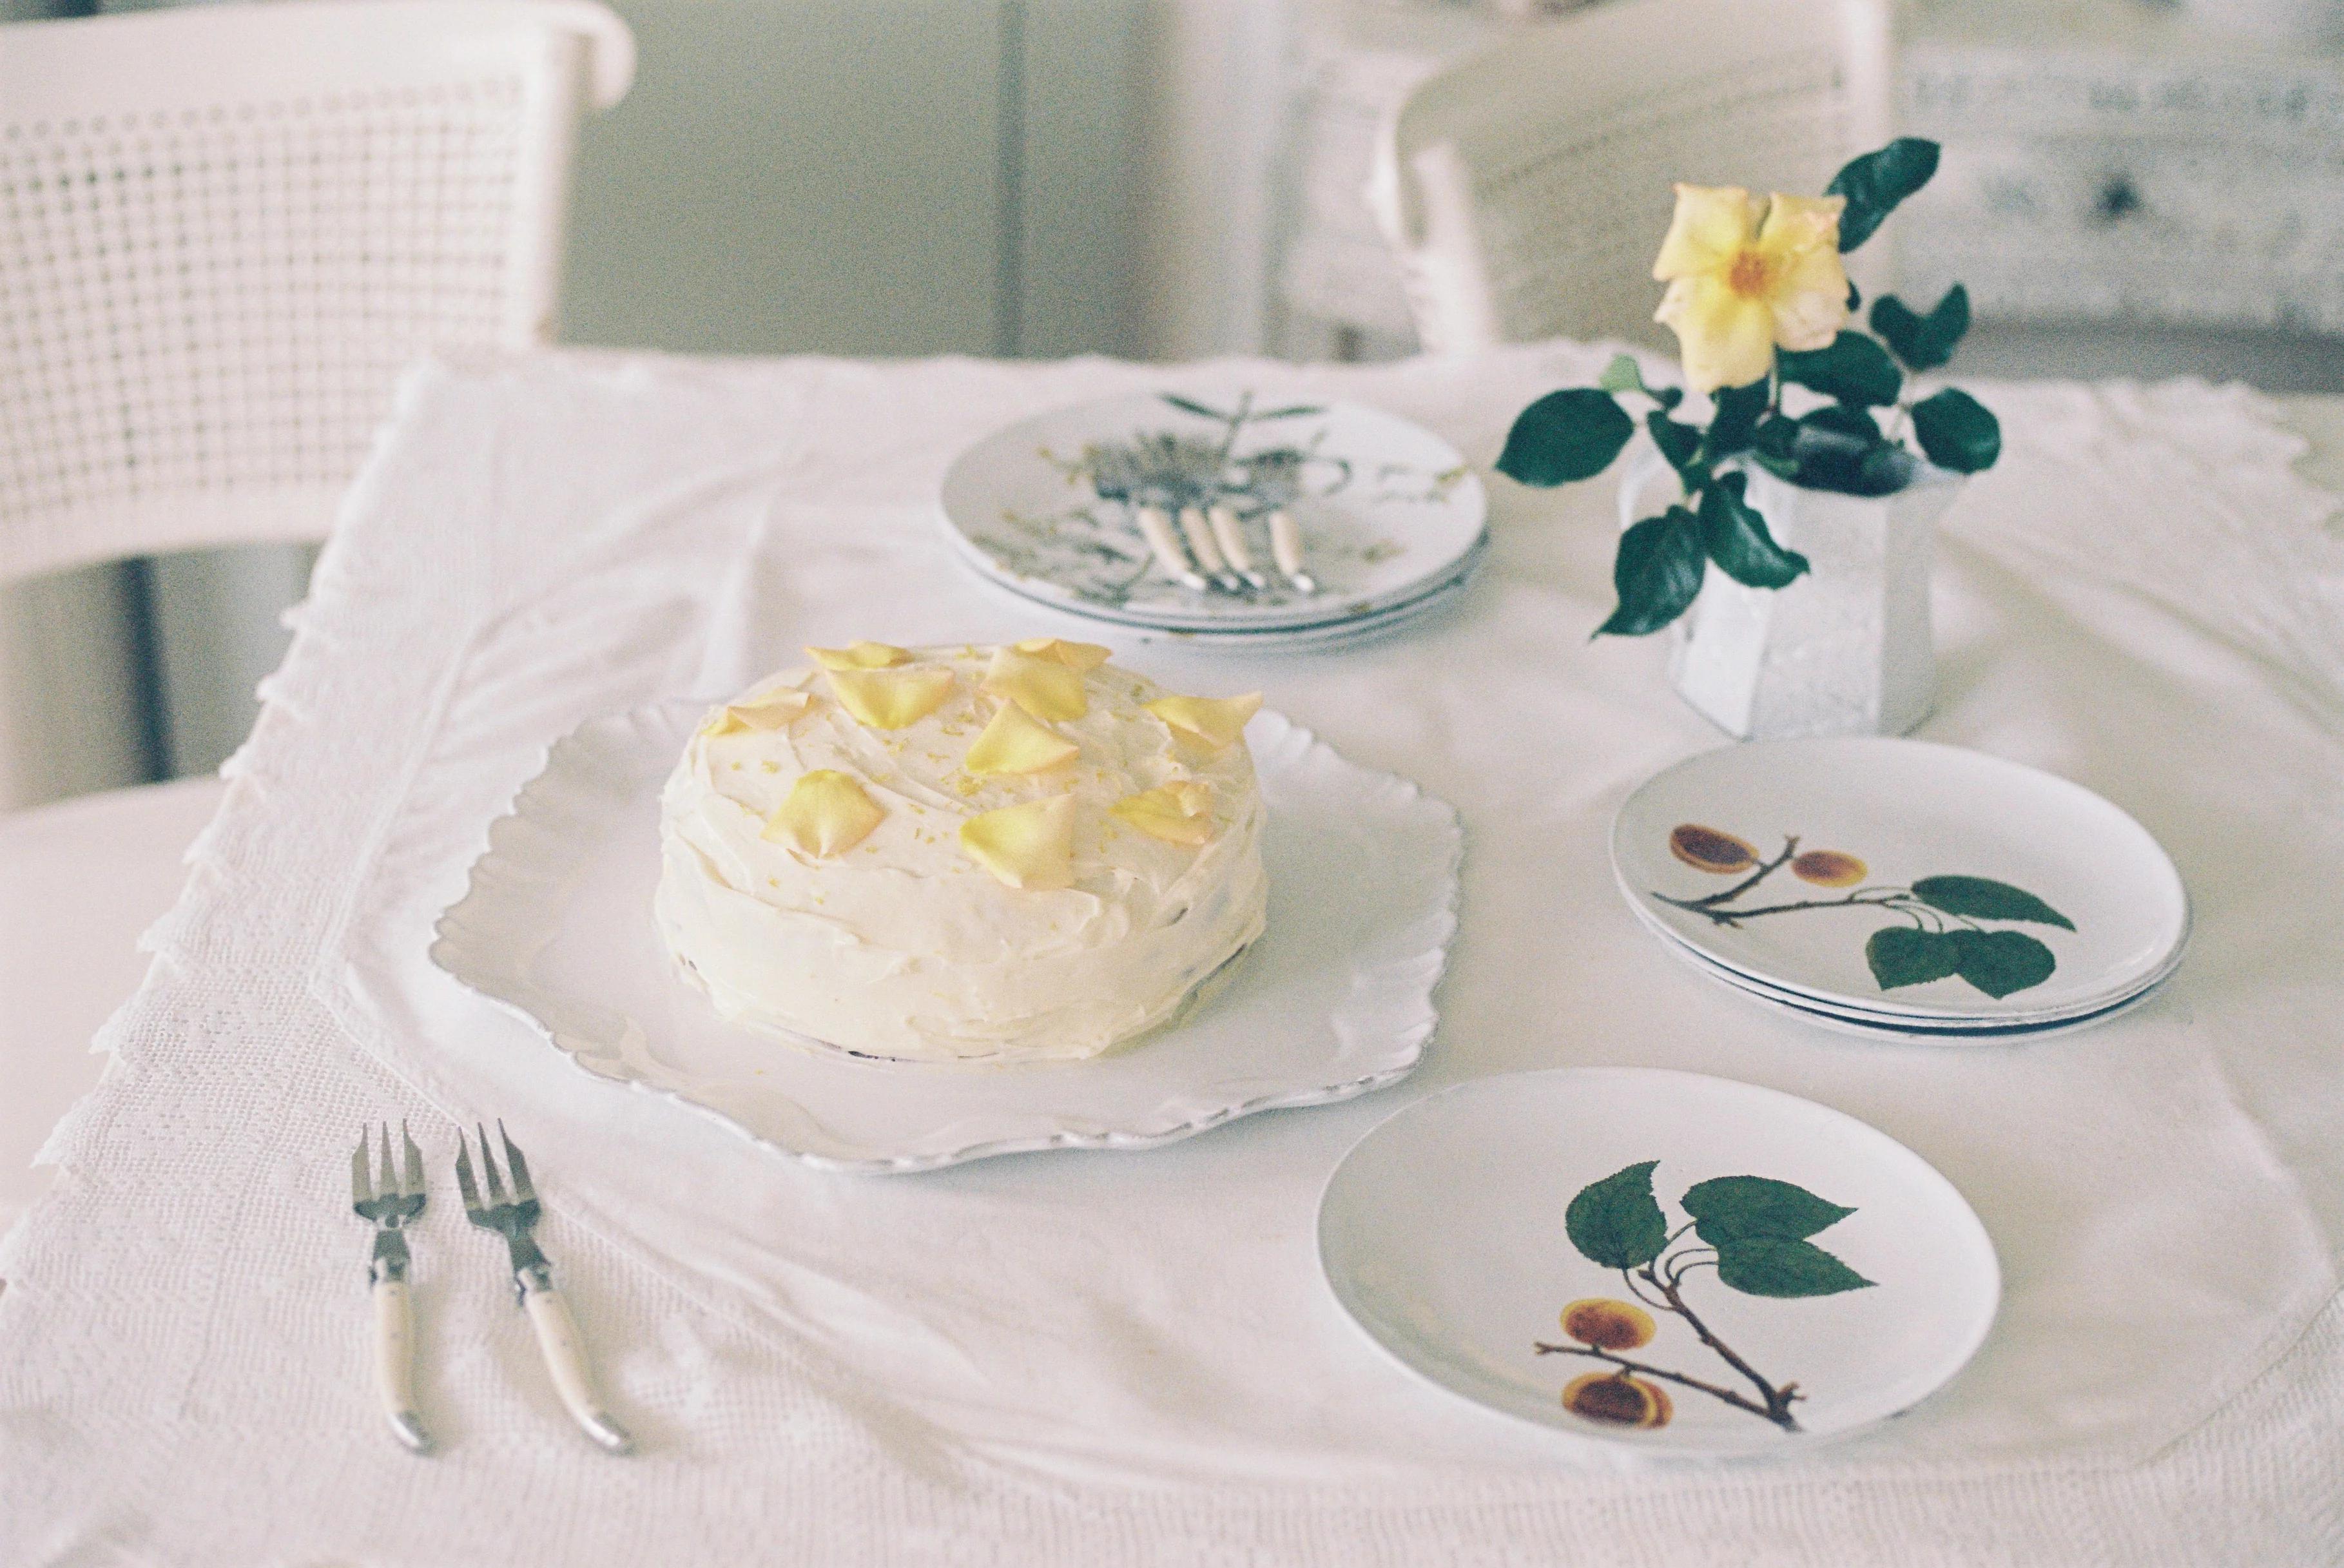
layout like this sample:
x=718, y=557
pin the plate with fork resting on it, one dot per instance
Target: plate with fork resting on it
x=1241, y=512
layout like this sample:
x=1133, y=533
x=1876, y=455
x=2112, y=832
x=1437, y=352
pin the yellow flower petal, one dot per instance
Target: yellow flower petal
x=1013, y=742
x=862, y=656
x=1044, y=688
x=891, y=699
x=1711, y=223
x=1084, y=657
x=1724, y=338
x=1802, y=223
x=1177, y=813
x=1808, y=282
x=776, y=710
x=827, y=812
x=1030, y=848
x=1216, y=722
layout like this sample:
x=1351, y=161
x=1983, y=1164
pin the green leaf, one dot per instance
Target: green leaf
x=1957, y=431
x=1735, y=1208
x=1657, y=573
x=1774, y=444
x=1882, y=470
x=1837, y=448
x=1622, y=375
x=1853, y=369
x=1199, y=409
x=1982, y=898
x=1615, y=1223
x=1901, y=955
x=1736, y=536
x=1680, y=443
x=1735, y=419
x=2001, y=962
x=1874, y=183
x=1779, y=1267
x=1565, y=436
x=1923, y=342
x=1840, y=423
x=1293, y=411
x=1855, y=297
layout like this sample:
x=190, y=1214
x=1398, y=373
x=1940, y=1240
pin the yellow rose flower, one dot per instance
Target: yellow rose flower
x=1747, y=275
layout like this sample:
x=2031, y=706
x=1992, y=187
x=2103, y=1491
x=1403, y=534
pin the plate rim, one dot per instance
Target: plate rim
x=1888, y=1031
x=1922, y=1025
x=1328, y=633
x=2163, y=966
x=1623, y=1441
x=1412, y=1043
x=1185, y=620
x=1456, y=575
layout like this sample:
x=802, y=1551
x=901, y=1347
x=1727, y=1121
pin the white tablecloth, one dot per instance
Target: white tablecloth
x=1112, y=1359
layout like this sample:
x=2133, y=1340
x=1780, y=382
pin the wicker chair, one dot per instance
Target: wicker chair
x=1526, y=186
x=223, y=232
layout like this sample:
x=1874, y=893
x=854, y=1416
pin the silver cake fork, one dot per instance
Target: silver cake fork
x=390, y=1204
x=513, y=1217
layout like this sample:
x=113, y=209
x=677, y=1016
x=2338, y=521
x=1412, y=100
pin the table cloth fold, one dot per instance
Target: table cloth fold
x=1129, y=1358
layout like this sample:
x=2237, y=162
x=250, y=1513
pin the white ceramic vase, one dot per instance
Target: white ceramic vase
x=1846, y=649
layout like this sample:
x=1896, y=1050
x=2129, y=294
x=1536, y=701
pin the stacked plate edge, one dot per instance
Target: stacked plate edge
x=1898, y=887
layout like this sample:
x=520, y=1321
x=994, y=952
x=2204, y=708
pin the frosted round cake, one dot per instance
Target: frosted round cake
x=962, y=853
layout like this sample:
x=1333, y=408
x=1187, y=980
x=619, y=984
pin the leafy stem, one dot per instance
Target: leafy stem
x=1789, y=848
x=1714, y=1390
x=1777, y=1408
x=1862, y=898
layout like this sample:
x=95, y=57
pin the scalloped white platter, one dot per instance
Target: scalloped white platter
x=1388, y=511
x=1449, y=1234
x=2039, y=863
x=1334, y=1000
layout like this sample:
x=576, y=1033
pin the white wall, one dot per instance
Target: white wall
x=864, y=177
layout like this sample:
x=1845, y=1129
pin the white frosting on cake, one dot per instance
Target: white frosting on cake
x=905, y=945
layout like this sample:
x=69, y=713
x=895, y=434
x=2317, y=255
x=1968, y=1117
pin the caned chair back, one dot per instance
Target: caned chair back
x=1526, y=186
x=225, y=229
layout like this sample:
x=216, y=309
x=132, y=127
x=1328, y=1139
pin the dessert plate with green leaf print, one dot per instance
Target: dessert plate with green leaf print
x=1901, y=882
x=1682, y=1263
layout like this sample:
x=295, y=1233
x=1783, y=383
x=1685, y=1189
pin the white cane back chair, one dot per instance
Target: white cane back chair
x=224, y=231
x=1526, y=186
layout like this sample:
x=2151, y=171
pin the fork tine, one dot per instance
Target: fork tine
x=464, y=1174
x=412, y=1184
x=522, y=1188
x=361, y=1189
x=387, y=1184
x=489, y=1167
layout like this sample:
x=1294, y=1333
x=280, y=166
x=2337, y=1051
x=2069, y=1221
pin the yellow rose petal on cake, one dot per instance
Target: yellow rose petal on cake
x=861, y=657
x=1080, y=657
x=1015, y=743
x=890, y=699
x=1180, y=812
x=1050, y=690
x=827, y=812
x=774, y=710
x=1030, y=848
x=1214, y=723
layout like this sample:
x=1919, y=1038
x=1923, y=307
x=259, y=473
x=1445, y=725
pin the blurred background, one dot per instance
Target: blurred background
x=2131, y=186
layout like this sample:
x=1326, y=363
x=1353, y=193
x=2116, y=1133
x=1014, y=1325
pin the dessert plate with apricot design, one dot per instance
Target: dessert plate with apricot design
x=1902, y=885
x=1682, y=1263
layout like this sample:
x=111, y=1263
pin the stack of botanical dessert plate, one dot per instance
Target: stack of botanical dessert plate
x=1235, y=520
x=1895, y=887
